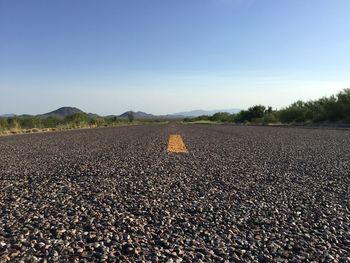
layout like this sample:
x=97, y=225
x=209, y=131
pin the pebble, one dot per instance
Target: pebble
x=242, y=194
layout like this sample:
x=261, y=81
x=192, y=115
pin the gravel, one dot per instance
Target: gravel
x=255, y=194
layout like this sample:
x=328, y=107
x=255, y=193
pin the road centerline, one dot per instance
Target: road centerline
x=176, y=144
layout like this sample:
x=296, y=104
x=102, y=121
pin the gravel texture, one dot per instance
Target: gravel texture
x=254, y=194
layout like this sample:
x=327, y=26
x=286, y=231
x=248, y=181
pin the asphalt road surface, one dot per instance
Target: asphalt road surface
x=240, y=194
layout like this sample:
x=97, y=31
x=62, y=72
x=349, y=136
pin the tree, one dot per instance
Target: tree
x=294, y=113
x=222, y=117
x=269, y=109
x=131, y=116
x=344, y=105
x=255, y=112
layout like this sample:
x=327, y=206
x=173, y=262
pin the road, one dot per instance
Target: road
x=255, y=194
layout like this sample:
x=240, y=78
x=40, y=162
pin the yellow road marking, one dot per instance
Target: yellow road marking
x=176, y=144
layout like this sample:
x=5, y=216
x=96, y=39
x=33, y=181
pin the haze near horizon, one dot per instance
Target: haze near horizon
x=163, y=57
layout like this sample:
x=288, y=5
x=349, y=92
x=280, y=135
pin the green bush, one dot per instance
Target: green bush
x=197, y=119
x=77, y=120
x=327, y=109
x=3, y=124
x=270, y=118
x=222, y=117
x=255, y=112
x=51, y=122
x=294, y=113
x=14, y=123
x=343, y=99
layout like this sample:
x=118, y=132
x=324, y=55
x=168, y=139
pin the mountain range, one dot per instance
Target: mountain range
x=67, y=111
x=138, y=115
x=196, y=113
x=8, y=115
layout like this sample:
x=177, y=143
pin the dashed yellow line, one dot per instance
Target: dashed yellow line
x=176, y=144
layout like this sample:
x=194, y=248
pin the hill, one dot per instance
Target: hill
x=67, y=111
x=8, y=115
x=196, y=113
x=63, y=112
x=138, y=115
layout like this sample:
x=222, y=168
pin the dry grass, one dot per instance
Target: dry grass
x=15, y=131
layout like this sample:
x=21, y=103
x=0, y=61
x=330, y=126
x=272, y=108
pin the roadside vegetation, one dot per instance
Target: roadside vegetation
x=327, y=110
x=26, y=124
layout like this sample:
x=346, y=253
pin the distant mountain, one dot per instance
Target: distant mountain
x=93, y=115
x=196, y=113
x=67, y=111
x=138, y=115
x=8, y=115
x=63, y=112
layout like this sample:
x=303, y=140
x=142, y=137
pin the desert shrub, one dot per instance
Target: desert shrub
x=51, y=122
x=198, y=118
x=222, y=117
x=76, y=120
x=187, y=119
x=97, y=122
x=270, y=118
x=31, y=122
x=3, y=124
x=202, y=118
x=14, y=123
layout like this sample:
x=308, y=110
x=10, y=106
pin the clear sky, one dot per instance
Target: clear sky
x=164, y=56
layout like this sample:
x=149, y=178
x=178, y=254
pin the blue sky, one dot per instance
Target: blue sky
x=164, y=56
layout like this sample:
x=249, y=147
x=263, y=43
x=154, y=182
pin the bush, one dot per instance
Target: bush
x=14, y=123
x=222, y=117
x=255, y=112
x=343, y=99
x=51, y=122
x=3, y=124
x=327, y=109
x=294, y=113
x=198, y=118
x=77, y=120
x=270, y=118
x=97, y=122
